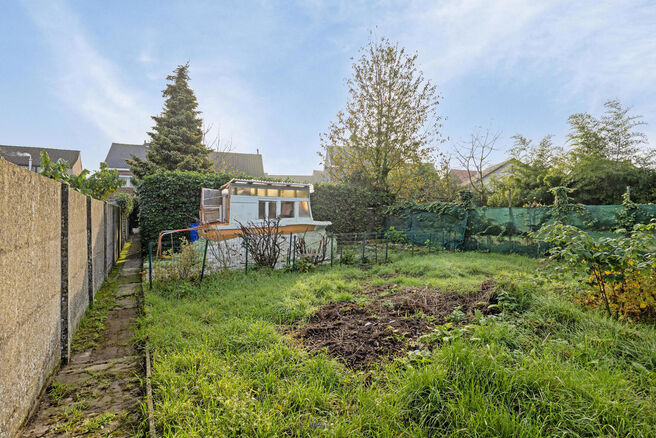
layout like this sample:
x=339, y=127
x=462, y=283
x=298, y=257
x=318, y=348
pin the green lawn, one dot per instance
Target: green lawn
x=226, y=363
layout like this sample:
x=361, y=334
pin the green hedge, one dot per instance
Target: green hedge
x=350, y=208
x=170, y=200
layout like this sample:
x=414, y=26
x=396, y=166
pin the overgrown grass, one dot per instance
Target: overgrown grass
x=224, y=364
x=89, y=333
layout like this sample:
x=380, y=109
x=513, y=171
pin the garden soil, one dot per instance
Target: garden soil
x=361, y=335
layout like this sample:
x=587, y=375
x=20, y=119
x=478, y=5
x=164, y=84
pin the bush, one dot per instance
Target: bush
x=126, y=202
x=620, y=269
x=170, y=200
x=349, y=207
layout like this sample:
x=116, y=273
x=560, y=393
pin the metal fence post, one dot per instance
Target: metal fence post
x=376, y=247
x=150, y=265
x=364, y=242
x=412, y=244
x=386, y=247
x=331, y=250
x=202, y=270
x=289, y=249
x=294, y=255
x=246, y=266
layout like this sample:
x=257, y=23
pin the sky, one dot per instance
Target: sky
x=270, y=75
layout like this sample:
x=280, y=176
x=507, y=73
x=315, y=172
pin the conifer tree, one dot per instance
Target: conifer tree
x=177, y=137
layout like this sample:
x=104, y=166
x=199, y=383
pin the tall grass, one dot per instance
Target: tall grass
x=225, y=364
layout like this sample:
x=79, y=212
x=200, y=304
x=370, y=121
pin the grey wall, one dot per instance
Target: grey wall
x=46, y=266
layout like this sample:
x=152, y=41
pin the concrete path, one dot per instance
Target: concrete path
x=99, y=393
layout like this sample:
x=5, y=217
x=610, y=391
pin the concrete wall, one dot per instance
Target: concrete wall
x=30, y=273
x=98, y=243
x=78, y=283
x=46, y=265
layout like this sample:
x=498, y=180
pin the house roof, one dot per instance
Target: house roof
x=119, y=152
x=235, y=162
x=256, y=182
x=20, y=155
x=463, y=175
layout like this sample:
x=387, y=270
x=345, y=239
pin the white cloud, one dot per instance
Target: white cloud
x=85, y=80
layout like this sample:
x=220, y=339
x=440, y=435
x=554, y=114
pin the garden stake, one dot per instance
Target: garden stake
x=412, y=243
x=202, y=270
x=289, y=248
x=246, y=268
x=150, y=265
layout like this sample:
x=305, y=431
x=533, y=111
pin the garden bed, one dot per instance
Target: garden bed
x=361, y=335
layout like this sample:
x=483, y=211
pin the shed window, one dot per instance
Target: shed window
x=244, y=191
x=303, y=209
x=268, y=192
x=286, y=209
x=266, y=209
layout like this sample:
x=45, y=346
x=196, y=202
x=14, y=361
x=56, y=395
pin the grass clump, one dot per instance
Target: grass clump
x=225, y=363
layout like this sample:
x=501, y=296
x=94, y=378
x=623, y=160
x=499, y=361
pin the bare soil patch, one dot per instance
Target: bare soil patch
x=361, y=335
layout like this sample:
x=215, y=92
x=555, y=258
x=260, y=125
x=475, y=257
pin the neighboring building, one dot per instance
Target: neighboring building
x=116, y=159
x=238, y=163
x=30, y=157
x=318, y=176
x=498, y=170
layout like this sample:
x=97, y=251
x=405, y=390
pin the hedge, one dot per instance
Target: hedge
x=350, y=208
x=170, y=200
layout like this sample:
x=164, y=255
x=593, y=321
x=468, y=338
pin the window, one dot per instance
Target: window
x=262, y=210
x=303, y=209
x=244, y=191
x=286, y=209
x=266, y=209
x=268, y=192
x=126, y=179
x=291, y=193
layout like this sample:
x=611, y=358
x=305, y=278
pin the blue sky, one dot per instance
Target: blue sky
x=82, y=74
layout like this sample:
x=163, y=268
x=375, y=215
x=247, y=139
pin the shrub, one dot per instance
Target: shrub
x=170, y=200
x=263, y=241
x=620, y=269
x=126, y=202
x=350, y=208
x=183, y=265
x=396, y=236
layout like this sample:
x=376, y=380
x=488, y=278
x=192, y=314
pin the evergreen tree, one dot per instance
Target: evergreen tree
x=177, y=137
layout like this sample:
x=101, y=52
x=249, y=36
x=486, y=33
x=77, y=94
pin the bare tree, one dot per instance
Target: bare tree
x=473, y=155
x=216, y=143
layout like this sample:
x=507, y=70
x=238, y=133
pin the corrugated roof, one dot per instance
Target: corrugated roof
x=119, y=152
x=18, y=154
x=235, y=162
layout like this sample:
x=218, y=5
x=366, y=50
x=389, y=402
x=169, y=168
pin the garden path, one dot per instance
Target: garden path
x=98, y=393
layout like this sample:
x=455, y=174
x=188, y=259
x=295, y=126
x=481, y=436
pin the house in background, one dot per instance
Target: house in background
x=30, y=157
x=496, y=171
x=318, y=176
x=116, y=159
x=236, y=163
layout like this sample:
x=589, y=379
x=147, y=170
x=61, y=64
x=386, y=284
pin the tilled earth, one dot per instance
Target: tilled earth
x=361, y=335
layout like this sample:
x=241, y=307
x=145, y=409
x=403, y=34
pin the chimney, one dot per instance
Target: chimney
x=257, y=151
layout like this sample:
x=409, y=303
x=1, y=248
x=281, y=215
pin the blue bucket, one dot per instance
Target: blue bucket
x=193, y=234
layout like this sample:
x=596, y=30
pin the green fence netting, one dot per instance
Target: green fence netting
x=503, y=230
